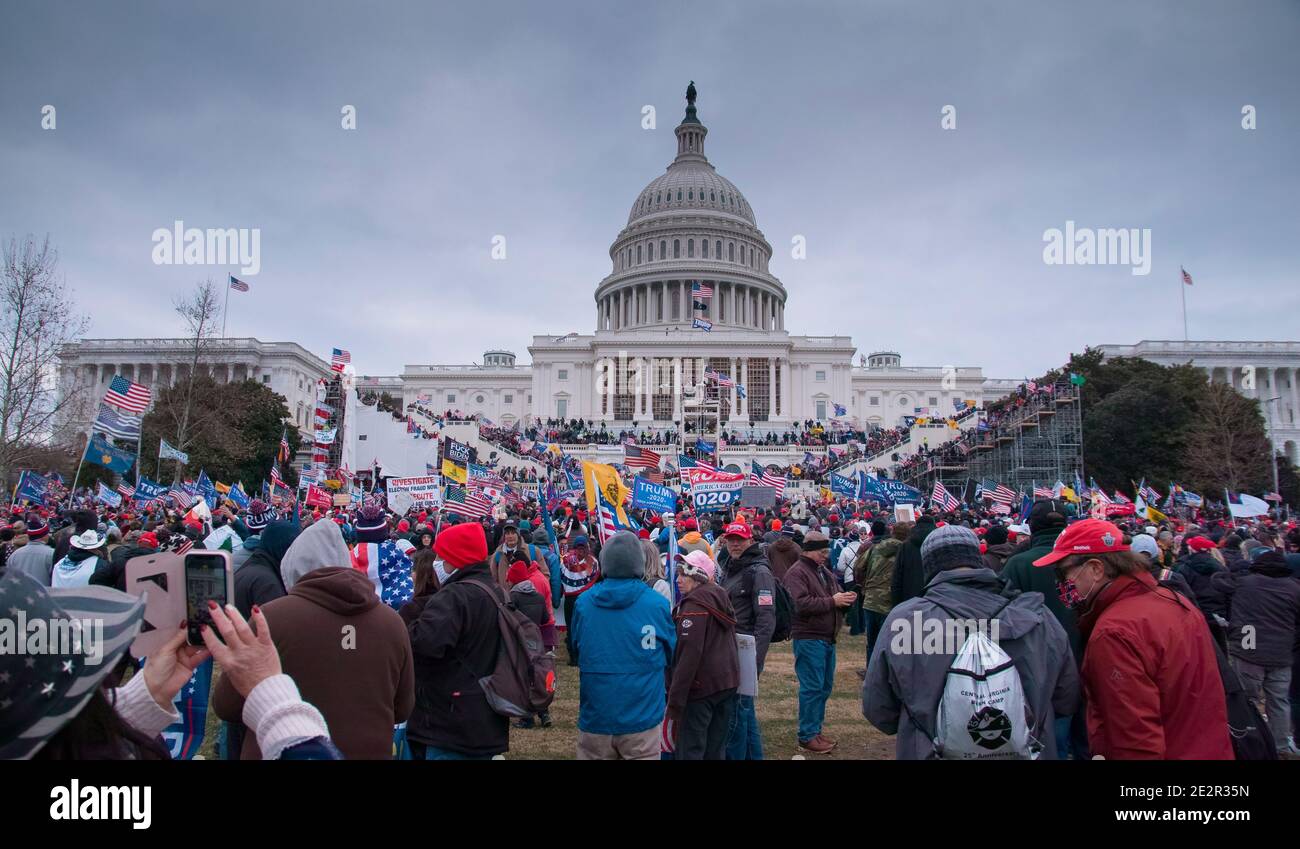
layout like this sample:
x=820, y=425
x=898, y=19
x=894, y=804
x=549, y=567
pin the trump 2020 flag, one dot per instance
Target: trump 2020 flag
x=185, y=737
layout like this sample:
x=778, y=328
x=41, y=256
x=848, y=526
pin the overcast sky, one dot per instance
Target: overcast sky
x=524, y=119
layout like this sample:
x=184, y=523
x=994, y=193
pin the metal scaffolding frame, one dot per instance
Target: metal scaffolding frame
x=1042, y=446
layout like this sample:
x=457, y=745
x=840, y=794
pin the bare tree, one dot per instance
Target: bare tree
x=201, y=312
x=37, y=318
x=1228, y=445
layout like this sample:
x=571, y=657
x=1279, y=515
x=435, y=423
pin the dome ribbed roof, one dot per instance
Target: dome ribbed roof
x=691, y=186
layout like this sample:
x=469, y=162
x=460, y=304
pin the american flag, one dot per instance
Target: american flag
x=185, y=546
x=1120, y=498
x=126, y=491
x=636, y=457
x=702, y=291
x=654, y=476
x=128, y=394
x=276, y=480
x=722, y=379
x=1043, y=491
x=237, y=284
x=339, y=359
x=943, y=499
x=467, y=502
x=284, y=445
x=999, y=493
x=1148, y=492
x=760, y=476
x=182, y=498
x=1187, y=278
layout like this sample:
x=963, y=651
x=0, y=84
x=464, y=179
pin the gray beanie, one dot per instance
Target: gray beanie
x=949, y=547
x=622, y=557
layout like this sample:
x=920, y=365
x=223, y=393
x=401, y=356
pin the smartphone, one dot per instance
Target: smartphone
x=208, y=577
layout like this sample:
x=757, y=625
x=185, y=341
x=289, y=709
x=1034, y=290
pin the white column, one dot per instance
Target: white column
x=772, y=406
x=744, y=380
x=1292, y=374
x=733, y=367
x=677, y=388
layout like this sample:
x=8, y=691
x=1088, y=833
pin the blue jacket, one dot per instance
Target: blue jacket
x=623, y=639
x=553, y=566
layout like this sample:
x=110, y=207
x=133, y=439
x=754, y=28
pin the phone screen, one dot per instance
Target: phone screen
x=205, y=579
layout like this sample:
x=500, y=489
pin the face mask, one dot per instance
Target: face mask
x=441, y=571
x=1068, y=592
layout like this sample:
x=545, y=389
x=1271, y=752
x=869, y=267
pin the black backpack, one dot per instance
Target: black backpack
x=783, y=603
x=522, y=682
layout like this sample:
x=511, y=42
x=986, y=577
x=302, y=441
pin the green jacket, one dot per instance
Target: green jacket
x=878, y=574
x=1021, y=574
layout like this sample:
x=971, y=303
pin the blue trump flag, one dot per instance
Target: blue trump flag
x=652, y=496
x=147, y=490
x=238, y=496
x=843, y=485
x=32, y=487
x=99, y=452
x=185, y=737
x=207, y=489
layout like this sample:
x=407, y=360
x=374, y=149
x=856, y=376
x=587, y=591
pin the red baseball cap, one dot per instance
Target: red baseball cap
x=738, y=529
x=1200, y=543
x=1091, y=536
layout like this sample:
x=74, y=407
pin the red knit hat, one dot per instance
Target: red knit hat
x=403, y=526
x=517, y=573
x=461, y=545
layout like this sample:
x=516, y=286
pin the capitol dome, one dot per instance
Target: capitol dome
x=690, y=232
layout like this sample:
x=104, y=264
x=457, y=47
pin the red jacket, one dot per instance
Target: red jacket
x=1151, y=676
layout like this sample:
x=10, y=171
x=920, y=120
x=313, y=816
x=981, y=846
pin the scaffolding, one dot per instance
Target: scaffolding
x=1040, y=445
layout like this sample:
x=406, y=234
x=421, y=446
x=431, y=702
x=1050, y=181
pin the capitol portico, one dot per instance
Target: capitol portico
x=1266, y=371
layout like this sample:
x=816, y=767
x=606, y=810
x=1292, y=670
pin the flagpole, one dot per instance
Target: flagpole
x=72, y=492
x=1182, y=289
x=225, y=310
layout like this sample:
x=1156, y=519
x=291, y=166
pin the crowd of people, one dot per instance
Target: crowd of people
x=1125, y=641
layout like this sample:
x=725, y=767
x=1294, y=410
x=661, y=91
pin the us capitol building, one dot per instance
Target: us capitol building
x=690, y=225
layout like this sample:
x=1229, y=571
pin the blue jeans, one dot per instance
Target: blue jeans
x=744, y=742
x=814, y=665
x=873, y=622
x=433, y=753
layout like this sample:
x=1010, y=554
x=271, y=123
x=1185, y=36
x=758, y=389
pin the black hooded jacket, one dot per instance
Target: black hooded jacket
x=258, y=580
x=909, y=576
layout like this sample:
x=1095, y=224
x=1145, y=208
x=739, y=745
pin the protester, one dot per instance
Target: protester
x=706, y=670
x=908, y=580
x=78, y=719
x=654, y=571
x=424, y=574
x=258, y=581
x=85, y=557
x=35, y=559
x=349, y=654
x=623, y=637
x=1262, y=630
x=1199, y=569
x=530, y=593
x=1151, y=681
x=750, y=585
x=579, y=572
x=961, y=589
x=455, y=642
x=875, y=579
x=818, y=615
x=998, y=550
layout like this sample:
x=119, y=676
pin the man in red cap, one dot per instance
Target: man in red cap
x=455, y=642
x=1149, y=667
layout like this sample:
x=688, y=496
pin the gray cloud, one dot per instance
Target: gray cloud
x=523, y=119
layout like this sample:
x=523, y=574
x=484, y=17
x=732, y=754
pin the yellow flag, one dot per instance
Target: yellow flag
x=222, y=488
x=1068, y=494
x=453, y=472
x=1155, y=515
x=827, y=495
x=952, y=423
x=604, y=479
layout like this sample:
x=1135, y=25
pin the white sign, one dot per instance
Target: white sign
x=405, y=493
x=904, y=513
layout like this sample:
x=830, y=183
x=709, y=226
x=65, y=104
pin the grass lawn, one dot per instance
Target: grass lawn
x=778, y=712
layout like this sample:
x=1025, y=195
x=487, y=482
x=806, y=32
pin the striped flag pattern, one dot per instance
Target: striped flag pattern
x=943, y=499
x=1043, y=491
x=115, y=424
x=467, y=502
x=702, y=291
x=998, y=493
x=339, y=359
x=126, y=491
x=636, y=457
x=237, y=284
x=128, y=394
x=760, y=476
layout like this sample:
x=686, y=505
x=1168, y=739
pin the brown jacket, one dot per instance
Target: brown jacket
x=705, y=661
x=349, y=655
x=811, y=589
x=781, y=555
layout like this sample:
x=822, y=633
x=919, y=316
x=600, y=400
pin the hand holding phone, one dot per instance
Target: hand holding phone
x=208, y=577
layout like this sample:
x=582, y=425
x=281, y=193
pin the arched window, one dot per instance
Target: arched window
x=650, y=252
x=717, y=249
x=638, y=254
x=663, y=250
x=751, y=257
x=690, y=194
x=690, y=248
x=731, y=251
x=658, y=197
x=710, y=197
x=677, y=248
x=679, y=194
x=704, y=248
